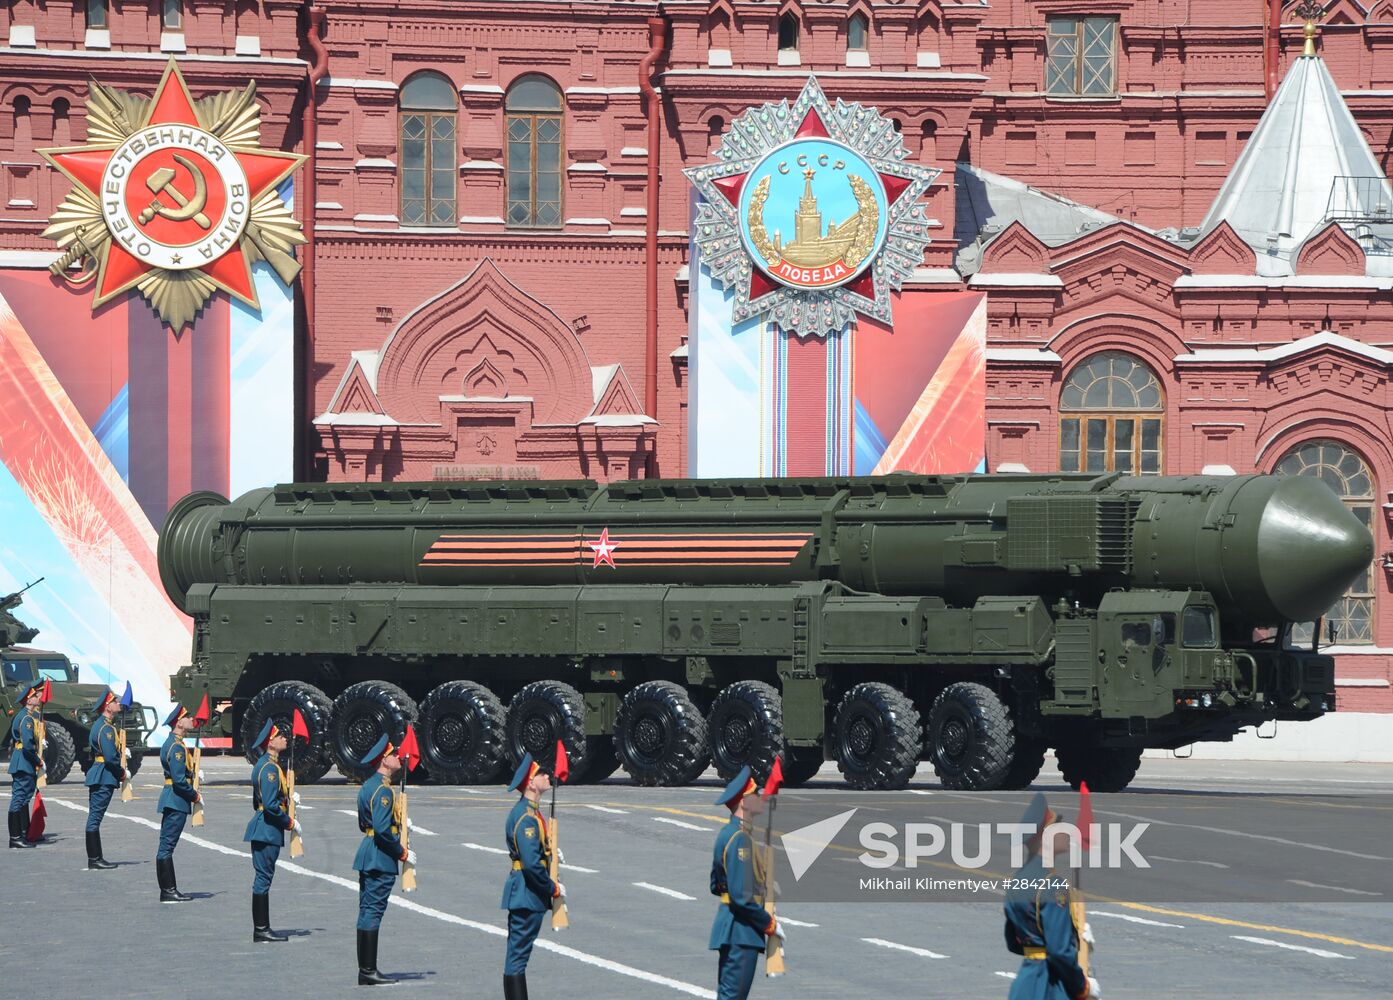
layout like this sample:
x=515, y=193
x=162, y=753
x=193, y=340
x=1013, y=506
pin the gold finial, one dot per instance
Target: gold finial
x=1311, y=11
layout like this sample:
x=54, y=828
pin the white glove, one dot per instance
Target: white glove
x=295, y=797
x=1095, y=992
x=1088, y=935
x=781, y=934
x=45, y=746
x=560, y=856
x=409, y=825
x=202, y=777
x=410, y=857
x=295, y=828
x=560, y=891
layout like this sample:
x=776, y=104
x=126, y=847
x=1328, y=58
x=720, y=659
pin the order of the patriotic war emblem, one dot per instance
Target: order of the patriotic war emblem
x=173, y=197
x=811, y=214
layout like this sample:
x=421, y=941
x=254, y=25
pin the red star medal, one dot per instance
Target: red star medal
x=604, y=550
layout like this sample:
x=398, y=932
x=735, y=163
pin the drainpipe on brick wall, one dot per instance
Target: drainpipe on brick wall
x=1271, y=44
x=657, y=41
x=316, y=20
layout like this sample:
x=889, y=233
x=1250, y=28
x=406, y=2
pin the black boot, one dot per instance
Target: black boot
x=261, y=920
x=95, y=861
x=169, y=890
x=24, y=829
x=17, y=825
x=515, y=987
x=174, y=884
x=367, y=961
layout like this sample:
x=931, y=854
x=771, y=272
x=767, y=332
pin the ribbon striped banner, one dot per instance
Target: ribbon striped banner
x=639, y=549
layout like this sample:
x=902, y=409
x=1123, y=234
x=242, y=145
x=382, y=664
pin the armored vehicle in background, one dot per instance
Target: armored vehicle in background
x=662, y=625
x=69, y=712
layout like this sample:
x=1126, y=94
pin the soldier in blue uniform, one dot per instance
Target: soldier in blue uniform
x=26, y=761
x=742, y=927
x=176, y=802
x=266, y=829
x=1039, y=925
x=103, y=777
x=379, y=817
x=530, y=889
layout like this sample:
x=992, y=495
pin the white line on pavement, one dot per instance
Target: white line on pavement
x=1333, y=888
x=921, y=952
x=1269, y=838
x=794, y=923
x=919, y=791
x=690, y=989
x=1189, y=861
x=484, y=847
x=666, y=892
x=607, y=809
x=421, y=830
x=1007, y=975
x=1131, y=919
x=1318, y=952
x=348, y=812
x=685, y=826
x=577, y=868
x=298, y=808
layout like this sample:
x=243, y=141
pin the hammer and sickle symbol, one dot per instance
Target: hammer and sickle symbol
x=161, y=182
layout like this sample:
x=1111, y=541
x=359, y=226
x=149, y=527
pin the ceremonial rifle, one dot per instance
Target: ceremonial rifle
x=127, y=793
x=410, y=754
x=560, y=919
x=199, y=720
x=774, y=948
x=297, y=728
x=1076, y=904
x=41, y=732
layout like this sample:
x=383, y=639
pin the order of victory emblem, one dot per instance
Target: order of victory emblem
x=173, y=197
x=812, y=214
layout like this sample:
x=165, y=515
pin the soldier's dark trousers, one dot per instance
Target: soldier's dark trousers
x=171, y=829
x=264, y=865
x=98, y=800
x=736, y=972
x=523, y=926
x=22, y=791
x=374, y=889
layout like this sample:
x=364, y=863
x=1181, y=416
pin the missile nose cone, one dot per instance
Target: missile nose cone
x=1311, y=547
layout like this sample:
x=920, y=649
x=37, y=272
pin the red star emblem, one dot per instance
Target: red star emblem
x=174, y=195
x=604, y=550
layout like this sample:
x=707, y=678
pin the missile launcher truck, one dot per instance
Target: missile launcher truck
x=667, y=625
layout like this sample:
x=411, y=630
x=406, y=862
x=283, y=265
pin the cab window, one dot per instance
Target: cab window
x=1199, y=628
x=18, y=672
x=1136, y=633
x=55, y=670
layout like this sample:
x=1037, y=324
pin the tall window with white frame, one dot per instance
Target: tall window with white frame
x=97, y=14
x=1082, y=57
x=788, y=32
x=1110, y=416
x=172, y=15
x=533, y=111
x=428, y=109
x=858, y=30
x=1350, y=620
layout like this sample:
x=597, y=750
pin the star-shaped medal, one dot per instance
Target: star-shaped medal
x=604, y=550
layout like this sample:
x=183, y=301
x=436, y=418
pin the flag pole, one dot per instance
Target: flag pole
x=297, y=847
x=560, y=919
x=408, y=873
x=773, y=948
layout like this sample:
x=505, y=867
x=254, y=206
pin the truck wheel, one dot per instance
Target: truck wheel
x=360, y=716
x=745, y=726
x=604, y=759
x=801, y=765
x=970, y=738
x=878, y=738
x=278, y=702
x=61, y=751
x=462, y=732
x=1105, y=770
x=539, y=715
x=660, y=735
x=1025, y=764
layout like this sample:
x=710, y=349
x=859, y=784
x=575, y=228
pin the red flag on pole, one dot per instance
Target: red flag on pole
x=47, y=693
x=410, y=750
x=298, y=727
x=563, y=764
x=38, y=814
x=202, y=716
x=1085, y=814
x=776, y=778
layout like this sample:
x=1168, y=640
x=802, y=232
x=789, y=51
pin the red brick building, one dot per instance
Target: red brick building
x=479, y=279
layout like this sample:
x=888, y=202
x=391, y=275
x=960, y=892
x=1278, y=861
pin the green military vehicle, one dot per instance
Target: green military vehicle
x=973, y=621
x=69, y=712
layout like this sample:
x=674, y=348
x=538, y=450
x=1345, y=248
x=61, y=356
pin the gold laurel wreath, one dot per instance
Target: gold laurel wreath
x=759, y=235
x=868, y=212
x=78, y=227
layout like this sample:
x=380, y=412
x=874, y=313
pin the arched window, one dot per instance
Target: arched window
x=23, y=133
x=1351, y=618
x=1110, y=416
x=788, y=32
x=428, y=109
x=715, y=130
x=97, y=13
x=172, y=15
x=62, y=128
x=857, y=30
x=533, y=109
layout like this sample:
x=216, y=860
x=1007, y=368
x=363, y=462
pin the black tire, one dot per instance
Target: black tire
x=970, y=737
x=60, y=753
x=360, y=716
x=462, y=734
x=745, y=726
x=1105, y=770
x=661, y=736
x=877, y=737
x=604, y=759
x=802, y=764
x=539, y=715
x=1026, y=764
x=278, y=702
